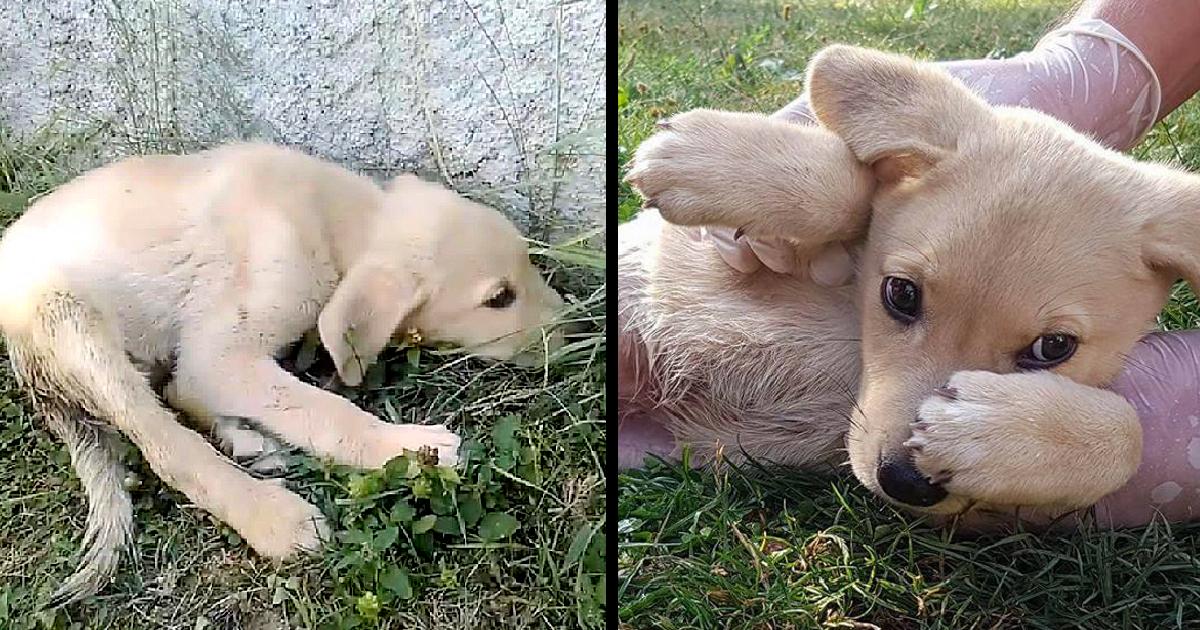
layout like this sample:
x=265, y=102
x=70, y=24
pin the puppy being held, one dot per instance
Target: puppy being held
x=1006, y=265
x=207, y=266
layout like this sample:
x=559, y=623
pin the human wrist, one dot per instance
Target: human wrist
x=1085, y=73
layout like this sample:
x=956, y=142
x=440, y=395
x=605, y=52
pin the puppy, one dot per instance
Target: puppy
x=1005, y=266
x=207, y=266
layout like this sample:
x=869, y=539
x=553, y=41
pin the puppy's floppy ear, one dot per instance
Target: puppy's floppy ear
x=366, y=309
x=896, y=114
x=1170, y=226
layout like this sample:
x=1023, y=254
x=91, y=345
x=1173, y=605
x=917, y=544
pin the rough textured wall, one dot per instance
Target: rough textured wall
x=502, y=98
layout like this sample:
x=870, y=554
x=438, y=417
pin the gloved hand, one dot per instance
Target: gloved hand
x=1160, y=380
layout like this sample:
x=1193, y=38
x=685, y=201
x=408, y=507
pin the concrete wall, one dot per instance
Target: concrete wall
x=502, y=98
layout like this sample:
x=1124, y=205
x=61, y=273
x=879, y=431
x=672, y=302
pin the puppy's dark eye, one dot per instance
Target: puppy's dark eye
x=901, y=299
x=502, y=299
x=1047, y=351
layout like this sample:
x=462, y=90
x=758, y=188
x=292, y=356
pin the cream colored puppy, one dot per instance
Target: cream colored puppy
x=1005, y=266
x=208, y=265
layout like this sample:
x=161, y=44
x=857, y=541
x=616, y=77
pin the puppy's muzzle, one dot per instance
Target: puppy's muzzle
x=900, y=480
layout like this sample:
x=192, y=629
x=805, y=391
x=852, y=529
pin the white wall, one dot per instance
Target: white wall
x=481, y=92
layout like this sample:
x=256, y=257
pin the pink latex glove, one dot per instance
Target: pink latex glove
x=1160, y=381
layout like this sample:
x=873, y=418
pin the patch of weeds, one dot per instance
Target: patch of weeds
x=742, y=62
x=397, y=526
x=31, y=166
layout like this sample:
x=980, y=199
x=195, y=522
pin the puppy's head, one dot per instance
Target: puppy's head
x=1000, y=240
x=457, y=271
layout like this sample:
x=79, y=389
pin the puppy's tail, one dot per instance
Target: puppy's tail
x=59, y=350
x=110, y=511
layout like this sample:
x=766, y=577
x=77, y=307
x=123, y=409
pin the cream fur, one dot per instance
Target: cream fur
x=1013, y=225
x=205, y=267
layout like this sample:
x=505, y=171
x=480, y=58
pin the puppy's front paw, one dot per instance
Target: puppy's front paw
x=279, y=524
x=440, y=439
x=764, y=176
x=693, y=168
x=1034, y=439
x=959, y=438
x=415, y=437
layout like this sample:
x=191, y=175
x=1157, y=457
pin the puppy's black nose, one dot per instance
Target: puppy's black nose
x=901, y=481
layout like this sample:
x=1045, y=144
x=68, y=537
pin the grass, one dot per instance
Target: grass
x=742, y=549
x=513, y=539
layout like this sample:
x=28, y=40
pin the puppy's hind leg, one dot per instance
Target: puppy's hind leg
x=68, y=353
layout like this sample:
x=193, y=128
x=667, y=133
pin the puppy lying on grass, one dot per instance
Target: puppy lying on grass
x=1006, y=266
x=205, y=267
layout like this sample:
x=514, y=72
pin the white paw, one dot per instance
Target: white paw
x=990, y=438
x=279, y=524
x=435, y=436
x=399, y=438
x=678, y=170
x=955, y=435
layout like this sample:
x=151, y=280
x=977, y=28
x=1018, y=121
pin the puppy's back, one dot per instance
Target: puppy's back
x=142, y=215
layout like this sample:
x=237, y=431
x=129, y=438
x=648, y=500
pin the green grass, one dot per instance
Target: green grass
x=747, y=550
x=515, y=539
